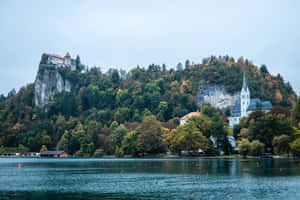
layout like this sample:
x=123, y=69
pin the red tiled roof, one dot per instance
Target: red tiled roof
x=67, y=55
x=191, y=114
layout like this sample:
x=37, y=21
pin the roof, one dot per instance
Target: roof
x=67, y=54
x=51, y=152
x=257, y=104
x=237, y=106
x=190, y=115
x=235, y=114
x=55, y=55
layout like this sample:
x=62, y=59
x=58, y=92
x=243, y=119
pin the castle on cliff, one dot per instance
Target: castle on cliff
x=59, y=61
x=244, y=105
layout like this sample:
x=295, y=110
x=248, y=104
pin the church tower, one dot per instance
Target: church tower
x=245, y=97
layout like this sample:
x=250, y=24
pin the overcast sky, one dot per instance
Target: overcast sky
x=122, y=34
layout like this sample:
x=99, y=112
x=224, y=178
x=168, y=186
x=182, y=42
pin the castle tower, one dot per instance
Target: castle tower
x=67, y=59
x=245, y=97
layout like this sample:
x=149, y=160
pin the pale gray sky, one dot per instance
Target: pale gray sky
x=122, y=34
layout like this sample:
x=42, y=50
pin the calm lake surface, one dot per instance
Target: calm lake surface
x=210, y=178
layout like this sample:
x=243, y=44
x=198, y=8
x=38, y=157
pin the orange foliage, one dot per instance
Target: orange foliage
x=268, y=77
x=184, y=88
x=229, y=63
x=278, y=97
x=18, y=127
x=270, y=84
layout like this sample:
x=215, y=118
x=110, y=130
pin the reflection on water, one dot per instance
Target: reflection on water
x=149, y=178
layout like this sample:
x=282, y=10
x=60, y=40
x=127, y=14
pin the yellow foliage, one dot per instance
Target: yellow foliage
x=244, y=133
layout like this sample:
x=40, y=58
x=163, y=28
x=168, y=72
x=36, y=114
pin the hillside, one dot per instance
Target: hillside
x=97, y=99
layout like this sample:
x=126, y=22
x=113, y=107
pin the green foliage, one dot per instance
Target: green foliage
x=267, y=127
x=22, y=149
x=295, y=147
x=244, y=146
x=256, y=148
x=187, y=138
x=296, y=113
x=129, y=143
x=116, y=137
x=203, y=123
x=44, y=148
x=75, y=121
x=150, y=139
x=74, y=141
x=281, y=144
x=119, y=152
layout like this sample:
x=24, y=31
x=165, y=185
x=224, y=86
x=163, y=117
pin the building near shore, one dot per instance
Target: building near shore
x=186, y=117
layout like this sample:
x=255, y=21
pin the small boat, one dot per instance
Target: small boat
x=266, y=155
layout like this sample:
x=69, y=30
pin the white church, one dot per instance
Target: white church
x=244, y=105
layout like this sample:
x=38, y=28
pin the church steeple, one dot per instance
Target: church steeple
x=245, y=97
x=245, y=80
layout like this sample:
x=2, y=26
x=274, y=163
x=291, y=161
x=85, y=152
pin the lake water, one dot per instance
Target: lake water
x=67, y=179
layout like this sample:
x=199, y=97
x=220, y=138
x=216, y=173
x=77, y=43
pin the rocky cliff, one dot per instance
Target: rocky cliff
x=48, y=82
x=215, y=95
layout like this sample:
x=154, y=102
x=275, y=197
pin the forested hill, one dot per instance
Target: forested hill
x=97, y=99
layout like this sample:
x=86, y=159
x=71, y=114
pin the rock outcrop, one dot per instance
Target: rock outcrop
x=48, y=82
x=216, y=96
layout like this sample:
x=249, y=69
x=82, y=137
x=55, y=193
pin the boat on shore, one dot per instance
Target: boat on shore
x=266, y=155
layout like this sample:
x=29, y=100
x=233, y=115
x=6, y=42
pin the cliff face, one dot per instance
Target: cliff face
x=48, y=82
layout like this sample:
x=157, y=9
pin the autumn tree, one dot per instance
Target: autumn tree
x=187, y=137
x=150, y=140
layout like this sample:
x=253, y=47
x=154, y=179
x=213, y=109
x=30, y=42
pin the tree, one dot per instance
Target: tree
x=256, y=148
x=267, y=127
x=264, y=69
x=71, y=141
x=296, y=113
x=116, y=137
x=236, y=130
x=46, y=139
x=203, y=123
x=150, y=140
x=11, y=93
x=179, y=66
x=187, y=137
x=217, y=130
x=295, y=147
x=129, y=143
x=187, y=64
x=244, y=146
x=44, y=148
x=281, y=144
x=78, y=63
x=114, y=125
x=295, y=144
x=22, y=149
x=163, y=108
x=119, y=152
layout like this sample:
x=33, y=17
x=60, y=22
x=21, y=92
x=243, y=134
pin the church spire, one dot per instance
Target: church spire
x=245, y=80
